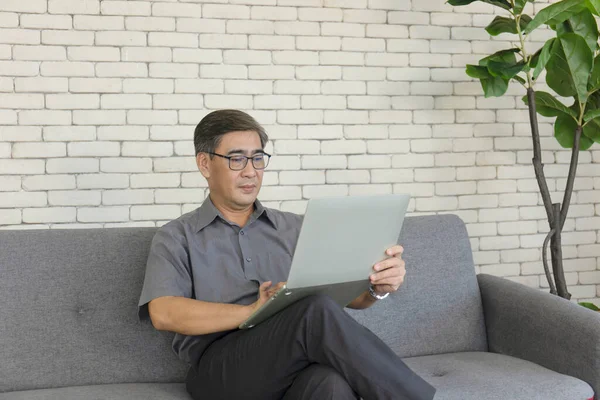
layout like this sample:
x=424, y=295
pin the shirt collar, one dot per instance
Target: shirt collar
x=207, y=213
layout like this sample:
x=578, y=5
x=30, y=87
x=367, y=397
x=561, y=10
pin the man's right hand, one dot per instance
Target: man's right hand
x=265, y=291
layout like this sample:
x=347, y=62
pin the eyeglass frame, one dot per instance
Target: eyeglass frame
x=244, y=156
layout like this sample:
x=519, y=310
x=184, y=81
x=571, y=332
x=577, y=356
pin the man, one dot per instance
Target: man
x=211, y=268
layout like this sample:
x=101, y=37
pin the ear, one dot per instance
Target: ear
x=203, y=163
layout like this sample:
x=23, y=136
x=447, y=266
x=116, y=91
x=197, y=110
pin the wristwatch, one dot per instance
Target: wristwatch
x=375, y=295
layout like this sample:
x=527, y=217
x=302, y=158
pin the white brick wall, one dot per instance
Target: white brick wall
x=99, y=99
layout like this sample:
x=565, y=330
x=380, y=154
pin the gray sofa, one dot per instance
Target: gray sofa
x=69, y=330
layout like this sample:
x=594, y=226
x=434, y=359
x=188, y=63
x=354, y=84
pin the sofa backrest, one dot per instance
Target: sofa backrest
x=68, y=310
x=438, y=308
x=68, y=305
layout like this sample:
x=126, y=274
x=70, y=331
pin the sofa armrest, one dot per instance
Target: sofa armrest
x=542, y=328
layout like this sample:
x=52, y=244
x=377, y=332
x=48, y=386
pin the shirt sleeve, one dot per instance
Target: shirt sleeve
x=168, y=271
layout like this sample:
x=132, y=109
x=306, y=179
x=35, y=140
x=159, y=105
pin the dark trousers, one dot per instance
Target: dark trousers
x=311, y=350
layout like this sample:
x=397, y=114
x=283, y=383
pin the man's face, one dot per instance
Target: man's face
x=236, y=189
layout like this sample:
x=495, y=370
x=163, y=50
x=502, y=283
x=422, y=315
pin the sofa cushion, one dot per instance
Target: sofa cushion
x=125, y=391
x=69, y=310
x=491, y=376
x=438, y=308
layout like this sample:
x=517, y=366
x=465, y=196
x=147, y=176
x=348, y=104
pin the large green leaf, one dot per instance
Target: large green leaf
x=500, y=3
x=594, y=83
x=555, y=13
x=506, y=56
x=495, y=86
x=475, y=71
x=569, y=66
x=591, y=114
x=564, y=132
x=593, y=6
x=506, y=25
x=591, y=134
x=591, y=306
x=520, y=5
x=505, y=70
x=584, y=24
x=548, y=106
x=543, y=58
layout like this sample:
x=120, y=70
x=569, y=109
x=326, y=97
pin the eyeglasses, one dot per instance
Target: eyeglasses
x=239, y=162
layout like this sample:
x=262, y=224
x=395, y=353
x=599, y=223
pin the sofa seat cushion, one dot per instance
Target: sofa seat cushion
x=123, y=391
x=490, y=376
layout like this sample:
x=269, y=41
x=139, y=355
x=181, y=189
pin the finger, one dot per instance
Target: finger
x=389, y=273
x=389, y=263
x=394, y=250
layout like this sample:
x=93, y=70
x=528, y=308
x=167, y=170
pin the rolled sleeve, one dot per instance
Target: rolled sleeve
x=168, y=272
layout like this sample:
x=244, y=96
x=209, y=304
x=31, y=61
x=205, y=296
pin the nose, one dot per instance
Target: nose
x=249, y=169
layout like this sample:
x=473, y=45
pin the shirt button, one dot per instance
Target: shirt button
x=242, y=233
x=248, y=259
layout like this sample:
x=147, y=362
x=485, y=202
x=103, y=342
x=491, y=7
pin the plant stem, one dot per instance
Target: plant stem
x=524, y=51
x=571, y=178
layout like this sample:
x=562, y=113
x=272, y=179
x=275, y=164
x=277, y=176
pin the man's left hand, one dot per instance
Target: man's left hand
x=389, y=273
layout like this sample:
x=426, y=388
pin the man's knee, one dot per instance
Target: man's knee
x=320, y=382
x=321, y=302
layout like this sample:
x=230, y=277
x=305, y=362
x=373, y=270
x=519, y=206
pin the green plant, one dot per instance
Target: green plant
x=572, y=66
x=591, y=306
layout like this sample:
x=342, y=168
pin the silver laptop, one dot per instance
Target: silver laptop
x=340, y=240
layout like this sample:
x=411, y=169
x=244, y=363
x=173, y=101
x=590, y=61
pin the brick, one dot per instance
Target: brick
x=125, y=7
x=37, y=150
x=343, y=147
x=117, y=197
x=268, y=42
x=347, y=176
x=371, y=189
x=412, y=102
x=301, y=177
x=148, y=86
x=319, y=14
x=318, y=43
x=95, y=53
x=102, y=181
x=19, y=68
x=72, y=165
x=48, y=182
x=390, y=117
x=148, y=24
x=319, y=191
x=95, y=85
x=224, y=11
x=300, y=116
x=198, y=56
x=122, y=69
x=39, y=53
x=388, y=146
x=498, y=214
x=408, y=46
x=12, y=184
x=103, y=214
x=200, y=25
x=67, y=69
x=387, y=31
x=8, y=217
x=176, y=10
x=323, y=102
x=93, y=149
x=342, y=29
x=156, y=180
x=496, y=186
x=153, y=149
x=409, y=74
x=120, y=38
x=8, y=117
x=31, y=6
x=320, y=132
x=275, y=13
x=98, y=23
x=45, y=117
x=302, y=3
x=199, y=86
x=223, y=41
x=96, y=117
x=216, y=101
x=390, y=4
x=347, y=117
x=365, y=16
x=47, y=215
x=271, y=72
x=247, y=57
x=296, y=57
x=69, y=133
x=73, y=7
x=436, y=204
x=363, y=44
x=341, y=87
x=74, y=198
x=166, y=39
x=172, y=70
x=151, y=117
x=324, y=162
x=297, y=147
x=21, y=101
x=369, y=161
x=386, y=59
x=363, y=73
x=122, y=165
x=5, y=52
x=435, y=175
x=249, y=27
x=413, y=160
x=174, y=164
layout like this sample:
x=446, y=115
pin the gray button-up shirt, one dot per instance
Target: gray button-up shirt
x=202, y=256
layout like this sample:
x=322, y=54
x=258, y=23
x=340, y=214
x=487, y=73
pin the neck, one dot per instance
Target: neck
x=231, y=214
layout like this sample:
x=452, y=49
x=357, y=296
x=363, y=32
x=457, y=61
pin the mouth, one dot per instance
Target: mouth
x=248, y=188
